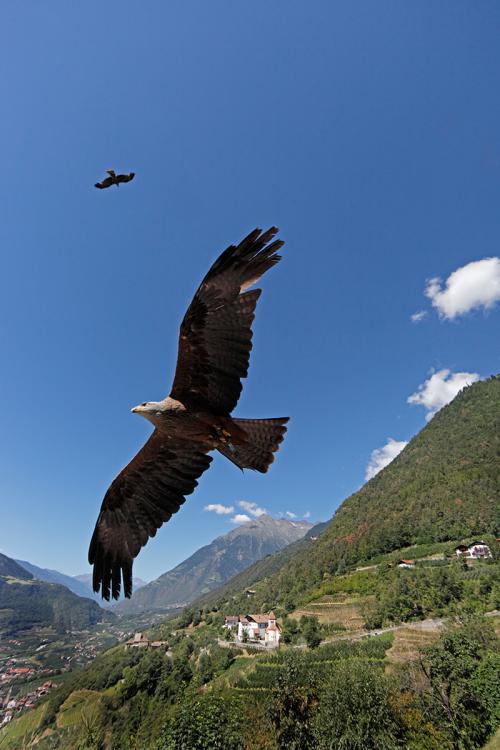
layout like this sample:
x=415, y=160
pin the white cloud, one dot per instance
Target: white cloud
x=307, y=515
x=418, y=316
x=472, y=286
x=290, y=514
x=252, y=508
x=240, y=518
x=221, y=510
x=381, y=457
x=440, y=389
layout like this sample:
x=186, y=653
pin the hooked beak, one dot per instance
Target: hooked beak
x=136, y=409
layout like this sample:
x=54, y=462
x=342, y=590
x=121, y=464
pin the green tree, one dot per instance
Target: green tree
x=292, y=706
x=186, y=618
x=462, y=673
x=205, y=669
x=210, y=722
x=310, y=630
x=355, y=711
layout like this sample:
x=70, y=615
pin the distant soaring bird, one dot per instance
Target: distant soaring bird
x=214, y=349
x=114, y=179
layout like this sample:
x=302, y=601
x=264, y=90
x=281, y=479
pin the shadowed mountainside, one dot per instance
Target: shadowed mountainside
x=26, y=602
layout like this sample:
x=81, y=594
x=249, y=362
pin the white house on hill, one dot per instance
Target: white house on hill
x=473, y=551
x=406, y=563
x=261, y=628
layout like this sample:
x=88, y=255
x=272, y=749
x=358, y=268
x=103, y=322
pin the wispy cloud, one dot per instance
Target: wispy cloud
x=252, y=508
x=221, y=510
x=418, y=316
x=240, y=518
x=472, y=286
x=306, y=515
x=289, y=514
x=382, y=457
x=440, y=389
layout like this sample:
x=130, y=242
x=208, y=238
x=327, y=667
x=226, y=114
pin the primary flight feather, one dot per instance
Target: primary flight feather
x=214, y=349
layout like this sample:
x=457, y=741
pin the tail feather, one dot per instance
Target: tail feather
x=263, y=438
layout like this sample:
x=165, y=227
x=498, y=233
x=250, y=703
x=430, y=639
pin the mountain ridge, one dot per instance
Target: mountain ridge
x=26, y=602
x=212, y=564
x=54, y=576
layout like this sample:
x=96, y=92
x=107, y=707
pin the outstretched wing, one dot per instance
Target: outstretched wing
x=216, y=334
x=142, y=497
x=125, y=177
x=104, y=183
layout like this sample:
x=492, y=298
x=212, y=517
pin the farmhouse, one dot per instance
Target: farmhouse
x=406, y=563
x=262, y=628
x=473, y=551
x=140, y=641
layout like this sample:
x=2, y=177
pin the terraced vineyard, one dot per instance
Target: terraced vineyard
x=263, y=674
x=409, y=640
x=343, y=610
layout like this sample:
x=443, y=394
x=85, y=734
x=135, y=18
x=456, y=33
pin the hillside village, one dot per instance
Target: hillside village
x=42, y=657
x=13, y=706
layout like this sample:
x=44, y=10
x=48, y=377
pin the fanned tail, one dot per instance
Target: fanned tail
x=263, y=438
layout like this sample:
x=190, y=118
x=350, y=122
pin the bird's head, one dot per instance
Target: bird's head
x=148, y=410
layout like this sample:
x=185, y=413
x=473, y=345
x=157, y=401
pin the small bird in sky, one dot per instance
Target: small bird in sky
x=114, y=179
x=213, y=356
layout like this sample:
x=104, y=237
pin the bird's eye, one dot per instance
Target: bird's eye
x=145, y=403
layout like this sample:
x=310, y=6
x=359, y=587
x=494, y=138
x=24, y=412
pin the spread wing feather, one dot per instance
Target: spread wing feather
x=106, y=183
x=216, y=334
x=125, y=177
x=142, y=497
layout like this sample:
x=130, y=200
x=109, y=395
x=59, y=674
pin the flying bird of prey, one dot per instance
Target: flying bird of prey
x=114, y=179
x=213, y=355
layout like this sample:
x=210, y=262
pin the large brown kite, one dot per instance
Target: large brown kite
x=214, y=349
x=114, y=179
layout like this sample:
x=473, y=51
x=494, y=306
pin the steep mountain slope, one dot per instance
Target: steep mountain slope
x=444, y=485
x=26, y=602
x=215, y=563
x=260, y=570
x=53, y=576
x=9, y=567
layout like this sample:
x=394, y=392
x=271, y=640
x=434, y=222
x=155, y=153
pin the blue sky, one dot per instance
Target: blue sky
x=369, y=132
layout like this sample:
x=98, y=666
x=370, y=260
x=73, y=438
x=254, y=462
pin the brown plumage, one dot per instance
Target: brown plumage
x=214, y=350
x=114, y=179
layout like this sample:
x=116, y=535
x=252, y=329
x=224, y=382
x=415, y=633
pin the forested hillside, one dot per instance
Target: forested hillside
x=26, y=602
x=445, y=485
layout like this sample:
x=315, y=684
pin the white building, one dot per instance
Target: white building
x=406, y=563
x=473, y=551
x=259, y=628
